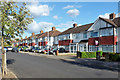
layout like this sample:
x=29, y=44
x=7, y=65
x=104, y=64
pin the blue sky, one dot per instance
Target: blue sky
x=63, y=14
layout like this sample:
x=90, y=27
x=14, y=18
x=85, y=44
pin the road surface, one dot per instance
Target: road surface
x=28, y=66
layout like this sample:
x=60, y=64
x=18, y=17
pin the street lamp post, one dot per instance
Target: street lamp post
x=48, y=39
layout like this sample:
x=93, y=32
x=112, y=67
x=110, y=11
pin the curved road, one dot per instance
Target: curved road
x=28, y=66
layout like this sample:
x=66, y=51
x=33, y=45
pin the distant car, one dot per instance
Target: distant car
x=26, y=48
x=45, y=50
x=36, y=49
x=6, y=49
x=22, y=49
x=9, y=48
x=30, y=50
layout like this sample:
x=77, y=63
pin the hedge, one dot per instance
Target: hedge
x=114, y=57
x=87, y=54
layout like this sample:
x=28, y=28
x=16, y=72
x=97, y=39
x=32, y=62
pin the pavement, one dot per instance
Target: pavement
x=9, y=74
x=88, y=62
x=0, y=65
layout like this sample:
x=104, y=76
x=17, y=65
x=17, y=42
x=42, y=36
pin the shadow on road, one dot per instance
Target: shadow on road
x=10, y=61
x=94, y=65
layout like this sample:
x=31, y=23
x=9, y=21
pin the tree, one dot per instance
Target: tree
x=14, y=21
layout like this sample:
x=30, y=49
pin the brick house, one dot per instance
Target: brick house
x=48, y=38
x=105, y=33
x=70, y=38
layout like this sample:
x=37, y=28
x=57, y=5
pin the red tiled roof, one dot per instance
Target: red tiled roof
x=77, y=29
x=109, y=21
x=51, y=33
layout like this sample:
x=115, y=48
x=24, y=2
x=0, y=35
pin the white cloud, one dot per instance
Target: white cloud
x=71, y=6
x=106, y=15
x=39, y=10
x=55, y=17
x=73, y=12
x=64, y=26
x=36, y=27
x=68, y=7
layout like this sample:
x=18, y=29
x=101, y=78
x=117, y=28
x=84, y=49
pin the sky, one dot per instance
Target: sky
x=62, y=15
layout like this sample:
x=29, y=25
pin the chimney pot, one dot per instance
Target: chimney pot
x=74, y=25
x=53, y=28
x=33, y=34
x=41, y=31
x=26, y=37
x=112, y=16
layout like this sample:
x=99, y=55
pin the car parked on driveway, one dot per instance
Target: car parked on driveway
x=9, y=48
x=60, y=50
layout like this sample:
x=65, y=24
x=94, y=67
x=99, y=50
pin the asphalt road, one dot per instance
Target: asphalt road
x=28, y=66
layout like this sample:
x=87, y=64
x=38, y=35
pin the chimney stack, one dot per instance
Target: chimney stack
x=41, y=31
x=112, y=16
x=33, y=34
x=53, y=28
x=74, y=25
x=26, y=37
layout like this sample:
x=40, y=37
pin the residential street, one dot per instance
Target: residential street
x=28, y=66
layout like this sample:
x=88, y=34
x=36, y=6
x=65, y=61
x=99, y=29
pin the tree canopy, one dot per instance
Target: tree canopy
x=14, y=19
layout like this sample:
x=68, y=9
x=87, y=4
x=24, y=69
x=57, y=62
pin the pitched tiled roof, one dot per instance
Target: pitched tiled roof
x=109, y=21
x=51, y=33
x=117, y=21
x=54, y=33
x=77, y=29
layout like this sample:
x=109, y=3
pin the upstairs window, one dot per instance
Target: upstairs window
x=94, y=34
x=85, y=35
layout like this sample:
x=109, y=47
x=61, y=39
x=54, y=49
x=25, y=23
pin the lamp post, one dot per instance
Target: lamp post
x=48, y=40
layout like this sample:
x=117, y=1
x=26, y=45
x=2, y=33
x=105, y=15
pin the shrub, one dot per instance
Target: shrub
x=114, y=57
x=88, y=54
x=101, y=52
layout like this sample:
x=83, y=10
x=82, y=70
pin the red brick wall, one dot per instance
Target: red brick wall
x=30, y=44
x=65, y=42
x=43, y=43
x=105, y=40
x=33, y=44
x=25, y=44
x=39, y=43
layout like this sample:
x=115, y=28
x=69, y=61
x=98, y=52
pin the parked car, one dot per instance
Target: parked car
x=30, y=50
x=45, y=50
x=26, y=48
x=15, y=49
x=22, y=49
x=60, y=50
x=9, y=48
x=5, y=48
x=36, y=49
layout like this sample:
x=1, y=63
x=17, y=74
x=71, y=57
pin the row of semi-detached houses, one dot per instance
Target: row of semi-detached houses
x=102, y=35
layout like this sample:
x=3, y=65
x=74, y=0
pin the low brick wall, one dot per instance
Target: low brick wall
x=63, y=54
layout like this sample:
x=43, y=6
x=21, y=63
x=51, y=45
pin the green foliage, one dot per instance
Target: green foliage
x=101, y=52
x=14, y=19
x=114, y=57
x=88, y=55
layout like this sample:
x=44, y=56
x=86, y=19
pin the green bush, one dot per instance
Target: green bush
x=101, y=52
x=114, y=57
x=88, y=55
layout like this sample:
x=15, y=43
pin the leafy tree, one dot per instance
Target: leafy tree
x=14, y=20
